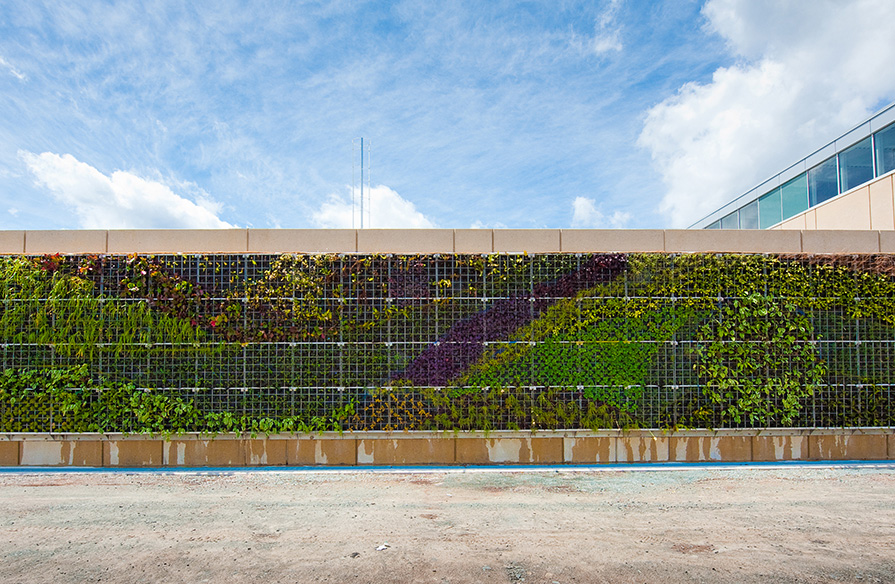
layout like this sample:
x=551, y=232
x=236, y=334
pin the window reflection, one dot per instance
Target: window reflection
x=885, y=150
x=730, y=222
x=822, y=182
x=794, y=196
x=769, y=209
x=749, y=216
x=855, y=165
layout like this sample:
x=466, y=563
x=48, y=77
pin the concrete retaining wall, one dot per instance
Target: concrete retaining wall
x=414, y=448
x=422, y=448
x=444, y=241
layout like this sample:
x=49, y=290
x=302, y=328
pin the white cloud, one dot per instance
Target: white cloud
x=809, y=71
x=587, y=215
x=608, y=35
x=387, y=209
x=15, y=72
x=122, y=200
x=479, y=224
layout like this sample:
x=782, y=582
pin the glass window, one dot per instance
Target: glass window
x=715, y=225
x=769, y=210
x=749, y=216
x=730, y=222
x=855, y=165
x=822, y=182
x=794, y=196
x=885, y=150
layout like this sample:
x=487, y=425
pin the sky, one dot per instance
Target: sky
x=487, y=114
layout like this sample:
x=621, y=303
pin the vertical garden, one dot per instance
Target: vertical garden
x=299, y=343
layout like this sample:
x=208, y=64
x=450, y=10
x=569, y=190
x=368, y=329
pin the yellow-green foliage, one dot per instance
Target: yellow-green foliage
x=62, y=310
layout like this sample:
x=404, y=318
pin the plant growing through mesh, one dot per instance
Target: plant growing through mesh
x=757, y=360
x=465, y=342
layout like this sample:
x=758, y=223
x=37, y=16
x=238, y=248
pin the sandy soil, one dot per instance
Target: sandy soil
x=803, y=524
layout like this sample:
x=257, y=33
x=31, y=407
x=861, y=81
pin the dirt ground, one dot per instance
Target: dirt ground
x=745, y=524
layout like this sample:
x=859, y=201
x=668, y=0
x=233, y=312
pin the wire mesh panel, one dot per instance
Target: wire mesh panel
x=260, y=342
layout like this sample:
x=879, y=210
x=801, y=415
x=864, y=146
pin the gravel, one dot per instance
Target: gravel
x=745, y=524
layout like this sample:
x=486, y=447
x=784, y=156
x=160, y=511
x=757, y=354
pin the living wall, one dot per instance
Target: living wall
x=267, y=343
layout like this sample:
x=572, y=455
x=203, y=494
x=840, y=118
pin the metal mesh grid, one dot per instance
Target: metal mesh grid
x=453, y=341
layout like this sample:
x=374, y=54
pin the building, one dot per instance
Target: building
x=847, y=184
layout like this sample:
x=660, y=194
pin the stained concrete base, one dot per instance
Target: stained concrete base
x=430, y=448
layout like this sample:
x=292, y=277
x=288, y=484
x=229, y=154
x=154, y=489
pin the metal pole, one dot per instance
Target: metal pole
x=361, y=183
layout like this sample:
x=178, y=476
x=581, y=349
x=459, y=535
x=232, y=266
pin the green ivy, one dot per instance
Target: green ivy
x=757, y=360
x=68, y=400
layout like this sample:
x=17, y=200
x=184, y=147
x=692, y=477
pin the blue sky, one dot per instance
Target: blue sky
x=607, y=113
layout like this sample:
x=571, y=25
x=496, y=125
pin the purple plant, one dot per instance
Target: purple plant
x=465, y=342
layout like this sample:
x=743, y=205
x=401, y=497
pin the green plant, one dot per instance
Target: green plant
x=757, y=360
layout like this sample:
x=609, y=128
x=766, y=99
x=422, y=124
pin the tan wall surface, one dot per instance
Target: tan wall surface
x=780, y=445
x=840, y=241
x=12, y=242
x=337, y=451
x=527, y=240
x=411, y=241
x=732, y=240
x=61, y=453
x=265, y=452
x=134, y=452
x=851, y=211
x=473, y=241
x=869, y=206
x=9, y=453
x=178, y=241
x=858, y=446
x=617, y=240
x=87, y=241
x=301, y=240
x=427, y=448
x=882, y=204
x=405, y=241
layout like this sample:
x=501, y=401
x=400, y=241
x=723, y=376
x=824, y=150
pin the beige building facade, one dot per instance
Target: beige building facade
x=870, y=206
x=846, y=184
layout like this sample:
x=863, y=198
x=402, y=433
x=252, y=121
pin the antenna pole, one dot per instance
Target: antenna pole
x=361, y=183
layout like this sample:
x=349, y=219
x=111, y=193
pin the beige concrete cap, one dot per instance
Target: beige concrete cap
x=12, y=242
x=178, y=241
x=408, y=241
x=840, y=241
x=302, y=241
x=887, y=241
x=612, y=240
x=61, y=241
x=473, y=241
x=732, y=240
x=527, y=240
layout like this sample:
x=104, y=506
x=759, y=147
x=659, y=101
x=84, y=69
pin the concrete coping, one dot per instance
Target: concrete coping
x=428, y=241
